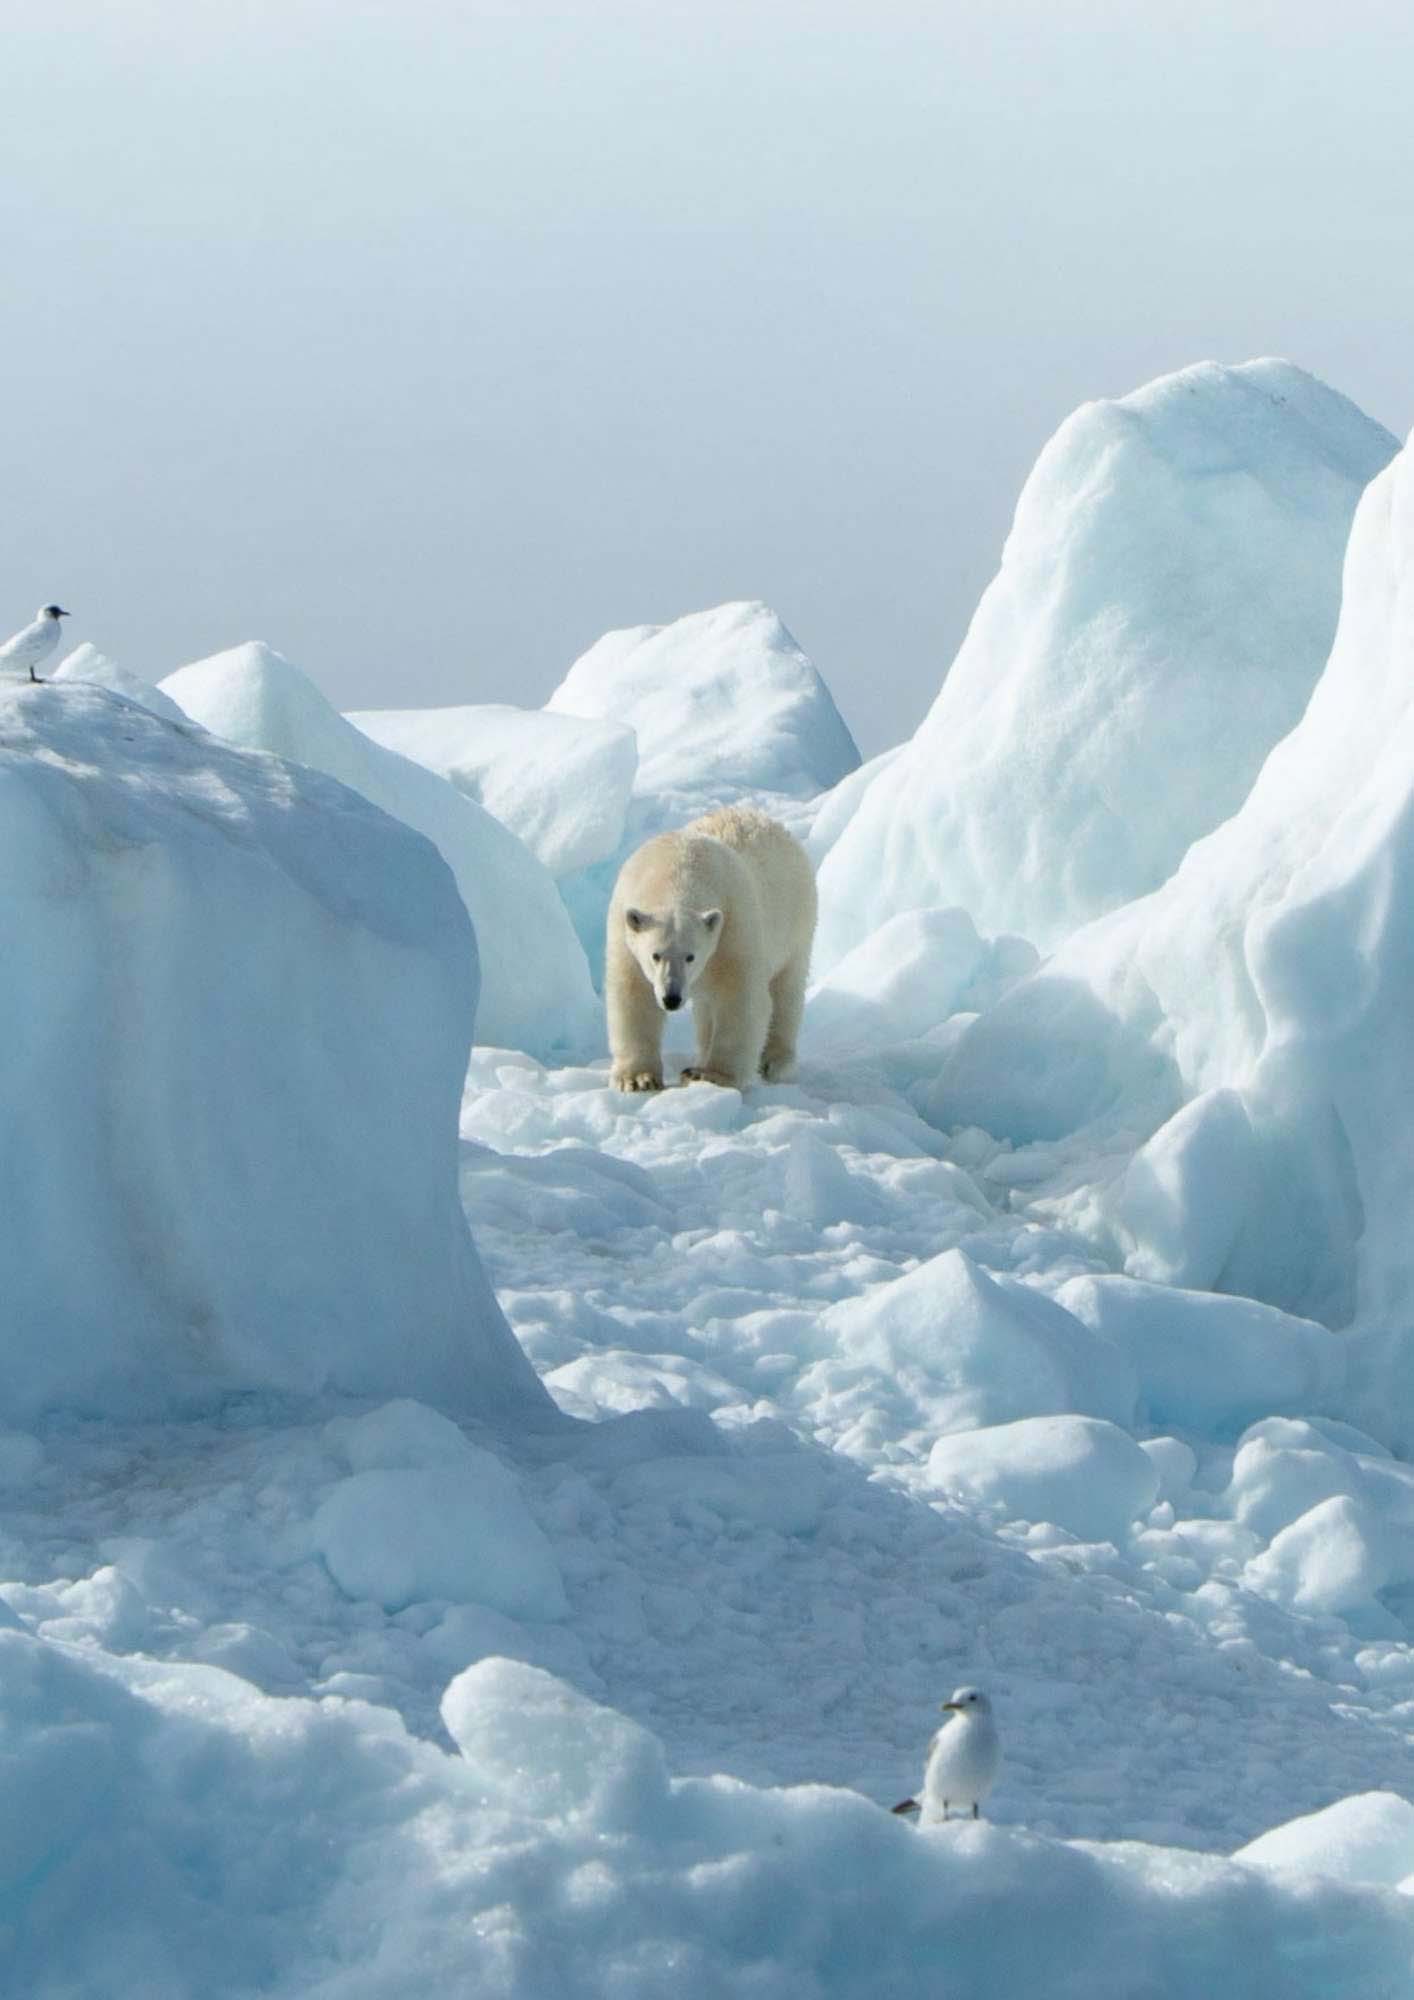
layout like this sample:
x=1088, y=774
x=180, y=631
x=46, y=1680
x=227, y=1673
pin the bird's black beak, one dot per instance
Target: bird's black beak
x=63, y=614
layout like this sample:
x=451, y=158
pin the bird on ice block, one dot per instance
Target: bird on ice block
x=963, y=1760
x=35, y=642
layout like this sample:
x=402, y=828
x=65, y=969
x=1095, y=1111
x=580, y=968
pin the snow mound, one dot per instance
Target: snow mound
x=535, y=988
x=539, y=1748
x=1368, y=1838
x=952, y=1347
x=910, y=976
x=458, y=1531
x=170, y=1830
x=1166, y=599
x=561, y=783
x=722, y=702
x=86, y=663
x=239, y=1002
x=1207, y=1362
x=1251, y=1018
x=1336, y=1512
x=1084, y=1475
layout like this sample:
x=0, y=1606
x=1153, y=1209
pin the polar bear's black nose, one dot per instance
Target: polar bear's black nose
x=672, y=1001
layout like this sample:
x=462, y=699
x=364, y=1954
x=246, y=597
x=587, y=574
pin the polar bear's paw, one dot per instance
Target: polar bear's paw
x=720, y=1077
x=635, y=1076
x=778, y=1065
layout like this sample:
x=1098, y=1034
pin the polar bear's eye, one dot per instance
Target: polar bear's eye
x=657, y=958
x=690, y=956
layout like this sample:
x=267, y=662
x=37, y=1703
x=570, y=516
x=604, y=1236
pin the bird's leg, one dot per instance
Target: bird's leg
x=976, y=1810
x=945, y=1809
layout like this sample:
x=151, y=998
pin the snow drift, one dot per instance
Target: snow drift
x=552, y=1853
x=238, y=1003
x=535, y=987
x=561, y=783
x=722, y=703
x=86, y=663
x=1166, y=599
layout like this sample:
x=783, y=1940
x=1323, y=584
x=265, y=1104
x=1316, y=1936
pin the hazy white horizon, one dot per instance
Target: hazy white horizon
x=429, y=342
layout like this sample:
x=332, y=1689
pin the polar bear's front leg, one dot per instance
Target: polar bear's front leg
x=787, y=1006
x=635, y=1025
x=730, y=1032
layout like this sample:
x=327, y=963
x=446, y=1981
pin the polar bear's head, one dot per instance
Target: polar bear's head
x=672, y=950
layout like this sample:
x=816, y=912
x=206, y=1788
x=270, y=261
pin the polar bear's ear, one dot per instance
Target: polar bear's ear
x=637, y=920
x=710, y=919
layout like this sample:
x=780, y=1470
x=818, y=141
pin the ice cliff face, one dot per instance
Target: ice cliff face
x=1252, y=1014
x=237, y=1004
x=1166, y=600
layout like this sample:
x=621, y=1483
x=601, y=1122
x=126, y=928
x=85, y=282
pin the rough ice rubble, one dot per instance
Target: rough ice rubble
x=1249, y=1020
x=535, y=987
x=1166, y=600
x=719, y=1230
x=551, y=1852
x=561, y=783
x=722, y=702
x=951, y=1346
x=1208, y=1362
x=237, y=1003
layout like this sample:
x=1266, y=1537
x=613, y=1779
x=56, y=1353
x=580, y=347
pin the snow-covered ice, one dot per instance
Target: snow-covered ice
x=362, y=1632
x=561, y=783
x=1207, y=1079
x=237, y=1004
x=87, y=663
x=1165, y=602
x=723, y=701
x=535, y=987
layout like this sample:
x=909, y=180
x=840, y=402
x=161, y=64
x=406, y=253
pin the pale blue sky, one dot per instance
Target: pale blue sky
x=428, y=341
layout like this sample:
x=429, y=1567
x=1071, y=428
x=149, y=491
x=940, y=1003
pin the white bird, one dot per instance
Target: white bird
x=35, y=643
x=963, y=1760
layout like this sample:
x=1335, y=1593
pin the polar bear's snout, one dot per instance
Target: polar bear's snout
x=671, y=949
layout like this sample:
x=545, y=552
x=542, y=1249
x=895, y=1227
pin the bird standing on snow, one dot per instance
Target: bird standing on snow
x=35, y=643
x=963, y=1760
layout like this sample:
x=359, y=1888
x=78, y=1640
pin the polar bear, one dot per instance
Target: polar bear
x=722, y=913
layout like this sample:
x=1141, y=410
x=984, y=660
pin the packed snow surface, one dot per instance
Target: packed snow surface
x=1051, y=1333
x=535, y=987
x=561, y=783
x=1165, y=603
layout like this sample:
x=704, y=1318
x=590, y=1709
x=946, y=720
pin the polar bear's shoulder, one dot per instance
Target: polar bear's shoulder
x=741, y=827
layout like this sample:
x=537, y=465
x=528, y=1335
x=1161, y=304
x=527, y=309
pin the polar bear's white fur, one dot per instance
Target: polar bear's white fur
x=722, y=913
